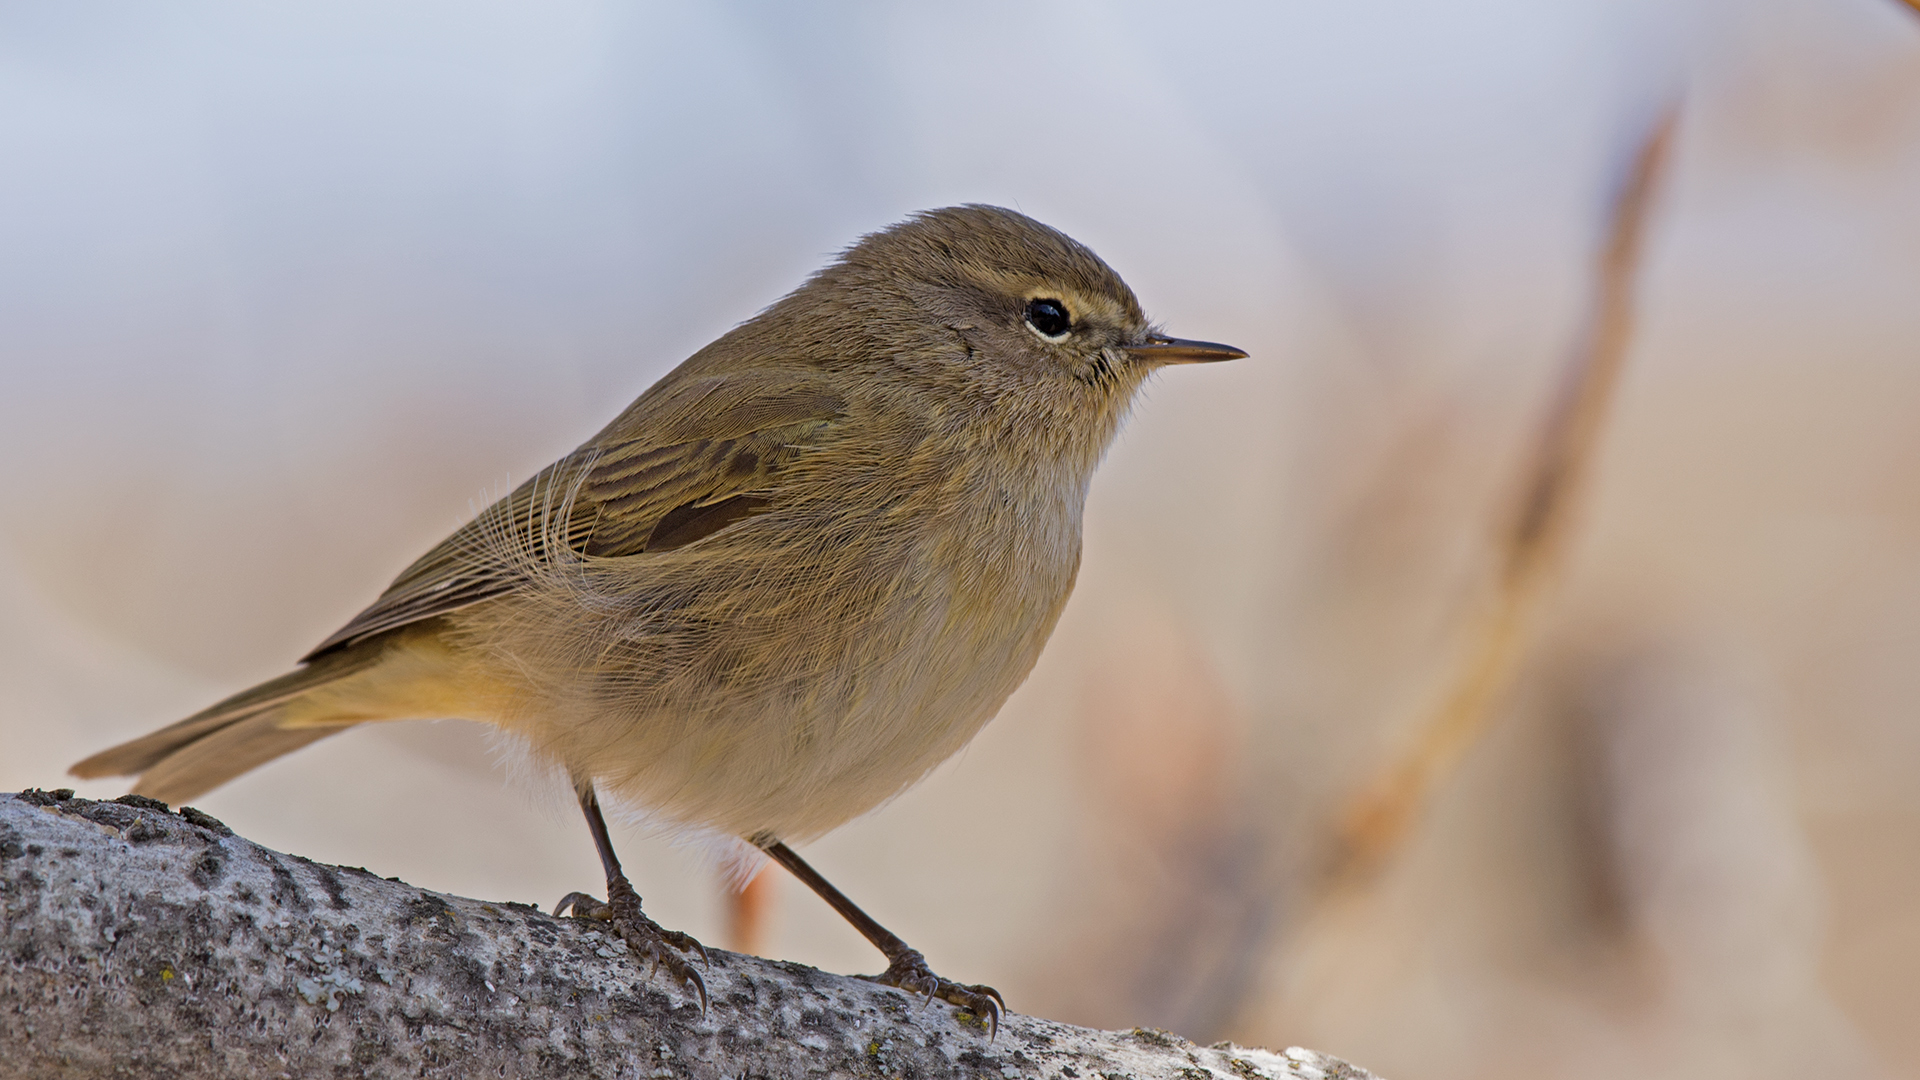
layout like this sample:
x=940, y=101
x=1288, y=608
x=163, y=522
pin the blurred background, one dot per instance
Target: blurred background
x=288, y=291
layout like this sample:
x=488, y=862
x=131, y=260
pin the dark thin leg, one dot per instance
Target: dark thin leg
x=597, y=825
x=883, y=939
x=906, y=968
x=643, y=936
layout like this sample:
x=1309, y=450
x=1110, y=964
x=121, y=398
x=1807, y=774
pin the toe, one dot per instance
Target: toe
x=911, y=974
x=982, y=1001
x=657, y=945
x=686, y=943
x=581, y=904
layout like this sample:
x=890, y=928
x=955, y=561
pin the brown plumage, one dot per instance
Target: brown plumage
x=797, y=573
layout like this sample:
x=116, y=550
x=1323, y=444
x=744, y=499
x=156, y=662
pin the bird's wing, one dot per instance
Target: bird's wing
x=680, y=464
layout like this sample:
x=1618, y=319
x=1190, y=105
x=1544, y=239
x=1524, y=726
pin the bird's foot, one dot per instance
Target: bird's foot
x=909, y=971
x=644, y=937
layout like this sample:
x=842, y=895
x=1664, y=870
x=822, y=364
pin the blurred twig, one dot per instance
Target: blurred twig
x=1381, y=816
x=748, y=909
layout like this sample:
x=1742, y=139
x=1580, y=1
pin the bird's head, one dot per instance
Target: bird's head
x=986, y=301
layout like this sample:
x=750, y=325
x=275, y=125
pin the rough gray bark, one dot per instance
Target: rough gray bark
x=138, y=942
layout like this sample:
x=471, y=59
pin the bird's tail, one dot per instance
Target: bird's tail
x=391, y=679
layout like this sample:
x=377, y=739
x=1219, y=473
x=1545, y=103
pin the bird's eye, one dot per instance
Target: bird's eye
x=1049, y=319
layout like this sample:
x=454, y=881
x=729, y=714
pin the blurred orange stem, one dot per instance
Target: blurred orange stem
x=1383, y=813
x=748, y=911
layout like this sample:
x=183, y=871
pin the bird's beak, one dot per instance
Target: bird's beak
x=1160, y=349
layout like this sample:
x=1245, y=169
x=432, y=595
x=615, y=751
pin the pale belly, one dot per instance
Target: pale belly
x=806, y=707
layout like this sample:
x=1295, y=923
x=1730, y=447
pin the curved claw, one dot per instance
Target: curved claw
x=985, y=1002
x=909, y=972
x=643, y=936
x=658, y=957
x=700, y=986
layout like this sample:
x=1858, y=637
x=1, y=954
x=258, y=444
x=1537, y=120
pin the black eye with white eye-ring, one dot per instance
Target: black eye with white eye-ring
x=1049, y=319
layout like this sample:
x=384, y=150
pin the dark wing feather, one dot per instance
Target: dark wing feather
x=680, y=464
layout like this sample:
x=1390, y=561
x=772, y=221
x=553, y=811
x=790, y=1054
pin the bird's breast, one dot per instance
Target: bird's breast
x=800, y=667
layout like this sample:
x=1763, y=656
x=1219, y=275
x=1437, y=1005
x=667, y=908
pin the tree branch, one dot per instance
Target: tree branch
x=141, y=942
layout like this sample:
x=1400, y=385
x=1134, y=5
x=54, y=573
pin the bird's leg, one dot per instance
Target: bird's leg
x=644, y=937
x=906, y=968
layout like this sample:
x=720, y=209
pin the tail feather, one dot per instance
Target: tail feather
x=212, y=760
x=407, y=674
x=181, y=758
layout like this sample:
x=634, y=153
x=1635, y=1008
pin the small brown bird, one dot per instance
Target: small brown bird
x=799, y=572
